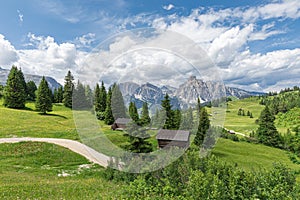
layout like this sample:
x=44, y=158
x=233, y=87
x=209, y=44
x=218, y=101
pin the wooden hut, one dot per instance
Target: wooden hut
x=120, y=124
x=178, y=138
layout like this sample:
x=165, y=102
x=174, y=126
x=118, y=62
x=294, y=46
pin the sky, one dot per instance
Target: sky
x=253, y=45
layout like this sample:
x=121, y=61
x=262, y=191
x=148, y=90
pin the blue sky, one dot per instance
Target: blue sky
x=255, y=44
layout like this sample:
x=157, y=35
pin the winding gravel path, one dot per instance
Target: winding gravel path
x=74, y=146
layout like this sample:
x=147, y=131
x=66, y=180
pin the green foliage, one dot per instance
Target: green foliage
x=43, y=101
x=134, y=113
x=176, y=119
x=68, y=90
x=58, y=95
x=80, y=100
x=100, y=98
x=204, y=125
x=145, y=118
x=193, y=178
x=15, y=89
x=117, y=103
x=109, y=118
x=1, y=91
x=167, y=108
x=267, y=132
x=137, y=138
x=31, y=89
x=187, y=120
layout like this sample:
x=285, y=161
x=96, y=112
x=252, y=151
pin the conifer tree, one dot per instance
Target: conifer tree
x=97, y=98
x=79, y=99
x=89, y=96
x=60, y=94
x=109, y=118
x=31, y=89
x=267, y=132
x=145, y=119
x=176, y=119
x=204, y=125
x=15, y=89
x=102, y=98
x=167, y=108
x=137, y=138
x=134, y=113
x=44, y=97
x=117, y=103
x=68, y=90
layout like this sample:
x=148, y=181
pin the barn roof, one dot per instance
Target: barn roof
x=174, y=135
x=123, y=121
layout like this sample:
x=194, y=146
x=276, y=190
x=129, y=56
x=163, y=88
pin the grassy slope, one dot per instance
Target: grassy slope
x=243, y=124
x=29, y=123
x=31, y=171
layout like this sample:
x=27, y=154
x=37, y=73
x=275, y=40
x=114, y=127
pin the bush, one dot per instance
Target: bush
x=100, y=115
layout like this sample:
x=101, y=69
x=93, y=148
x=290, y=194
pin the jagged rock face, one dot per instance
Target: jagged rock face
x=28, y=77
x=189, y=91
x=183, y=97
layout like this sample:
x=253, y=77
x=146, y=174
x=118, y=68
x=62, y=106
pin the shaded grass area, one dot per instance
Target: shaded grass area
x=29, y=123
x=31, y=170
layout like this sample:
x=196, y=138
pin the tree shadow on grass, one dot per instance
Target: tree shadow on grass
x=55, y=115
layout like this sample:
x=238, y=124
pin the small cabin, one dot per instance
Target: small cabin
x=178, y=138
x=120, y=124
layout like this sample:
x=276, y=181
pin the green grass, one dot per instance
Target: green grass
x=243, y=124
x=252, y=156
x=31, y=170
x=29, y=123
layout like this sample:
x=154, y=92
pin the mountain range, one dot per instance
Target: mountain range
x=29, y=77
x=182, y=97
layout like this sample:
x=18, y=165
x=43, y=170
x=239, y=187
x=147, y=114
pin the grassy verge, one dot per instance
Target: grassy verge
x=44, y=171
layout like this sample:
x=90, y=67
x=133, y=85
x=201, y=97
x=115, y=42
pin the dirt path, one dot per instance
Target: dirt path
x=74, y=146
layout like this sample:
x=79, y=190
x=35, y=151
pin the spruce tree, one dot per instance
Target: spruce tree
x=137, y=138
x=43, y=100
x=102, y=98
x=89, y=96
x=134, y=113
x=117, y=103
x=68, y=90
x=79, y=99
x=97, y=98
x=109, y=118
x=267, y=132
x=176, y=119
x=31, y=88
x=1, y=91
x=15, y=89
x=198, y=106
x=204, y=125
x=55, y=96
x=60, y=94
x=167, y=108
x=145, y=119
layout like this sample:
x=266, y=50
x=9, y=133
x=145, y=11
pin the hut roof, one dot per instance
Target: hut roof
x=174, y=135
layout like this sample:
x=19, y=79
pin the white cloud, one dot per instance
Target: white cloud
x=168, y=7
x=8, y=53
x=86, y=40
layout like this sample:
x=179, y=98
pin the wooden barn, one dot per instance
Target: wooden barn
x=120, y=124
x=167, y=138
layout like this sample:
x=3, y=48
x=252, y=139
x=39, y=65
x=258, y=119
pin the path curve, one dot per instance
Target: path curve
x=75, y=146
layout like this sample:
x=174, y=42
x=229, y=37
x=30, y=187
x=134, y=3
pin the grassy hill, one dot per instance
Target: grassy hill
x=44, y=171
x=29, y=123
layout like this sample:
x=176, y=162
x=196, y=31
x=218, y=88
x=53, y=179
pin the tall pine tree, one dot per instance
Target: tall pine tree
x=109, y=118
x=267, y=132
x=117, y=103
x=145, y=119
x=44, y=97
x=204, y=125
x=15, y=89
x=31, y=88
x=68, y=90
x=134, y=113
x=97, y=98
x=167, y=108
x=102, y=98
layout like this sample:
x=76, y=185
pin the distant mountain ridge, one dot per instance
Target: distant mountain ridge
x=29, y=77
x=183, y=96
